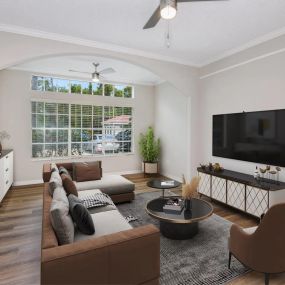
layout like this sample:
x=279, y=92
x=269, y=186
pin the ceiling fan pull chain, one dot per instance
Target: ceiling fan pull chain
x=168, y=40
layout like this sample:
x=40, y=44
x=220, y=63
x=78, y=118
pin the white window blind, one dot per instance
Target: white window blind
x=60, y=130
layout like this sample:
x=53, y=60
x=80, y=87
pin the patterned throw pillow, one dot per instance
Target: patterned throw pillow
x=80, y=215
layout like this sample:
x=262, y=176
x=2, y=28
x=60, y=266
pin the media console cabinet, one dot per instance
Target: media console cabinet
x=241, y=191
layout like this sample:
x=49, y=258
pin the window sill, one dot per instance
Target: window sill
x=81, y=157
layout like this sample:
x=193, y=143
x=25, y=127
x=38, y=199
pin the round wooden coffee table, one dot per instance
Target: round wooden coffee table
x=183, y=225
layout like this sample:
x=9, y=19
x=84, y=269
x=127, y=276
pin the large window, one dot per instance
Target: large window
x=41, y=83
x=60, y=130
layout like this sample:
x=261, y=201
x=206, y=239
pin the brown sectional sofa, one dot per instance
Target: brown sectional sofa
x=130, y=256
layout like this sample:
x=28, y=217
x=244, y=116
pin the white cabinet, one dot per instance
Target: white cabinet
x=236, y=195
x=6, y=172
x=257, y=201
x=241, y=191
x=219, y=189
x=205, y=184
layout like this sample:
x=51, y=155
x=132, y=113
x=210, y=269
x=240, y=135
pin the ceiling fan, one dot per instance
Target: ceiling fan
x=167, y=10
x=96, y=75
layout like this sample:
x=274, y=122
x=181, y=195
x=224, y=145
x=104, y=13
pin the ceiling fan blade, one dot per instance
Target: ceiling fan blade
x=77, y=71
x=180, y=1
x=153, y=20
x=107, y=71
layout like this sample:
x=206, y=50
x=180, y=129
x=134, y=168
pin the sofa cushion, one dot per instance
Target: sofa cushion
x=55, y=181
x=86, y=171
x=84, y=193
x=109, y=184
x=80, y=215
x=69, y=185
x=60, y=218
x=106, y=223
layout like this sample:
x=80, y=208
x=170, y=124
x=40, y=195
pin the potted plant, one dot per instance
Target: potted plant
x=150, y=151
x=3, y=135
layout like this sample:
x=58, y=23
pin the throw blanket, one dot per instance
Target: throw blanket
x=97, y=200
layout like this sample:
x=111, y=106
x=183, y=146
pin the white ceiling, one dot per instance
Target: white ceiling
x=60, y=66
x=201, y=31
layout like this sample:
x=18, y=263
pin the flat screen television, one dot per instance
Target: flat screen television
x=253, y=136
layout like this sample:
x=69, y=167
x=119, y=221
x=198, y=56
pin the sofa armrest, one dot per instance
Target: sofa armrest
x=127, y=257
x=46, y=172
x=240, y=244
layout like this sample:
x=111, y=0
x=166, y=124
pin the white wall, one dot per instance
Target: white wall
x=18, y=48
x=171, y=126
x=15, y=117
x=253, y=86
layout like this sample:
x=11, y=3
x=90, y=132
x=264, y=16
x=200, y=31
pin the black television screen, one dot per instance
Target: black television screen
x=254, y=136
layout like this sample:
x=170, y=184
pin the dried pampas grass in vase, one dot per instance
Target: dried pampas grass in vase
x=189, y=190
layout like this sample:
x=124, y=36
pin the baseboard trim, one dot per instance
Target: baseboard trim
x=171, y=176
x=124, y=172
x=27, y=182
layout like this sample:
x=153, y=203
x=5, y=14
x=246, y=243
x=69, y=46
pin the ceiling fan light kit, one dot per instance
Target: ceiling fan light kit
x=95, y=77
x=168, y=9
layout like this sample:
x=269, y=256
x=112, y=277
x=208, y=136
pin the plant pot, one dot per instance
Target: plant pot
x=150, y=168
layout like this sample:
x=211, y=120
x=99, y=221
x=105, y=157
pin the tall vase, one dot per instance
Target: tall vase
x=188, y=204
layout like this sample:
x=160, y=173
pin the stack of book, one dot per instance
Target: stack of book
x=167, y=183
x=173, y=206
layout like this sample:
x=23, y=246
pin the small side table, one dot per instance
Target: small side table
x=156, y=183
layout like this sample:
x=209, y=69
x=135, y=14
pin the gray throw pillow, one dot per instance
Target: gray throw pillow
x=80, y=215
x=60, y=218
x=54, y=182
x=53, y=167
x=59, y=194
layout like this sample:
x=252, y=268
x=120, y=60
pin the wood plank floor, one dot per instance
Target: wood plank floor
x=20, y=235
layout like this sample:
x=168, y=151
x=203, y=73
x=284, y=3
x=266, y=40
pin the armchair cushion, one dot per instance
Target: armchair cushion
x=250, y=230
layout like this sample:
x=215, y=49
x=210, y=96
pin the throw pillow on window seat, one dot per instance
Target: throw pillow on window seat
x=69, y=185
x=86, y=171
x=80, y=215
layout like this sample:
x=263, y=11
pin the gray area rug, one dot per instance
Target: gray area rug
x=199, y=261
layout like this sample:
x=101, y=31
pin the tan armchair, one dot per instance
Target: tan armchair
x=261, y=249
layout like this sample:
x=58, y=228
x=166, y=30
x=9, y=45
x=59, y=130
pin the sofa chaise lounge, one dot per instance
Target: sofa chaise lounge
x=117, y=187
